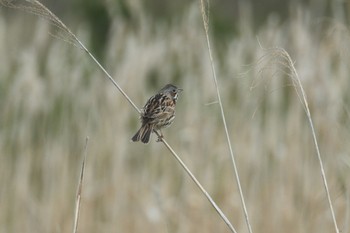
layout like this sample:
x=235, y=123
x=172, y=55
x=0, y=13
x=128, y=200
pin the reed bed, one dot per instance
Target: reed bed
x=52, y=97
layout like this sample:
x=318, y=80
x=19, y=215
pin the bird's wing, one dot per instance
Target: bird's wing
x=157, y=106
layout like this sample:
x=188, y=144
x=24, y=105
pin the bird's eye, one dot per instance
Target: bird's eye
x=174, y=90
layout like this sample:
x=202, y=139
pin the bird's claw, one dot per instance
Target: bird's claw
x=160, y=138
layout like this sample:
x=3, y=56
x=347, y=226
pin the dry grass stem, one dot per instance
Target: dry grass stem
x=281, y=57
x=36, y=8
x=218, y=210
x=206, y=27
x=80, y=188
x=63, y=33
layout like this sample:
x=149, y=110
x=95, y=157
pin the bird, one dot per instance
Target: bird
x=158, y=113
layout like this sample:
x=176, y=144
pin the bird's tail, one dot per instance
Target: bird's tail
x=143, y=134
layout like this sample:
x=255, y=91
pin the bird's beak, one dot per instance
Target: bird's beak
x=180, y=89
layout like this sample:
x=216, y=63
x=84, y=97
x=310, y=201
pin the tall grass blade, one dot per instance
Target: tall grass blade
x=80, y=189
x=206, y=28
x=282, y=58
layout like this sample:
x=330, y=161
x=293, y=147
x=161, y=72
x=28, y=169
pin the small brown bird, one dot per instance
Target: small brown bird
x=158, y=113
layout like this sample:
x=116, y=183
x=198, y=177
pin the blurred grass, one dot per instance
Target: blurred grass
x=52, y=97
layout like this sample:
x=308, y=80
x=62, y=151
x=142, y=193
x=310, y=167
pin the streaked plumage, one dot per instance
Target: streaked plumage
x=158, y=112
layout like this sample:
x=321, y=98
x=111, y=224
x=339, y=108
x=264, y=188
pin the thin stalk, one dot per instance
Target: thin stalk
x=80, y=189
x=218, y=210
x=206, y=27
x=308, y=113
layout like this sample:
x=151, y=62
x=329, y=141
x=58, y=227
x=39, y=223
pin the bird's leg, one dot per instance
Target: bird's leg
x=160, y=137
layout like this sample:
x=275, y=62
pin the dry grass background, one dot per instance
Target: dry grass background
x=52, y=97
